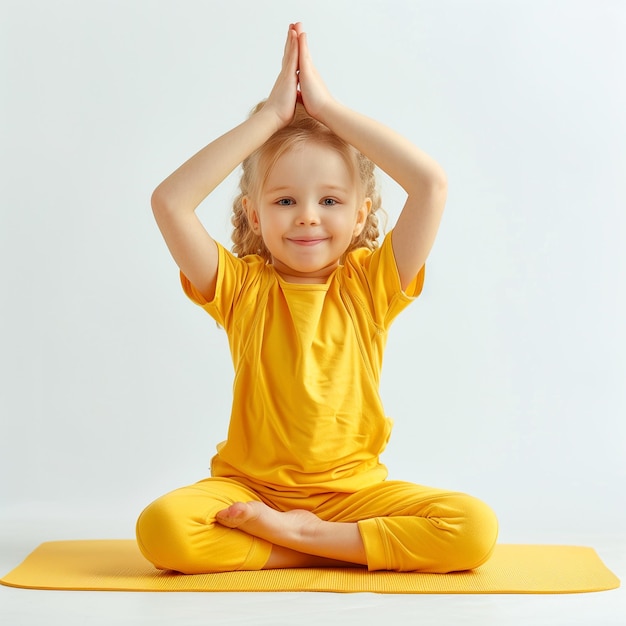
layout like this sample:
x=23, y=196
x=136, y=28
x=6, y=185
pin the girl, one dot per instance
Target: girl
x=307, y=304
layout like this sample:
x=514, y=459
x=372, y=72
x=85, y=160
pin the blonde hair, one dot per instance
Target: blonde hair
x=257, y=167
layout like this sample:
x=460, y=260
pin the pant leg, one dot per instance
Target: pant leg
x=178, y=531
x=407, y=527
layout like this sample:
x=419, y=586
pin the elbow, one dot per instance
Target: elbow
x=437, y=188
x=159, y=201
x=439, y=181
x=430, y=185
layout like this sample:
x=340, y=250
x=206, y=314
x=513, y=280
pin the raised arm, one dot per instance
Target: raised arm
x=175, y=200
x=416, y=172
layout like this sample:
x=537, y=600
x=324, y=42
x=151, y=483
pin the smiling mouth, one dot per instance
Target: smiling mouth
x=307, y=242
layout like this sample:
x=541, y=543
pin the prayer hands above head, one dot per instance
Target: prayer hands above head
x=313, y=91
x=298, y=80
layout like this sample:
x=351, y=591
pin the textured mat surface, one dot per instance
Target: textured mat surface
x=117, y=565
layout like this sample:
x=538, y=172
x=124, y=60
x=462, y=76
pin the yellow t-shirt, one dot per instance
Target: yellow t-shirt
x=306, y=417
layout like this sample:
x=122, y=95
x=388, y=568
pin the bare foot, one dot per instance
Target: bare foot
x=297, y=530
x=262, y=521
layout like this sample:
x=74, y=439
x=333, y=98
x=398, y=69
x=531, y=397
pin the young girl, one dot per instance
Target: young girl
x=307, y=303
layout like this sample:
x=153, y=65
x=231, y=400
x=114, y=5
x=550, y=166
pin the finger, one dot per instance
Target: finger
x=303, y=50
x=303, y=43
x=290, y=55
x=290, y=35
x=288, y=38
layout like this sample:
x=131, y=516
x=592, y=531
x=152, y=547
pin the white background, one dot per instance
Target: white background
x=506, y=379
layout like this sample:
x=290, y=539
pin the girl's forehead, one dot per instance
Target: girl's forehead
x=312, y=159
x=310, y=149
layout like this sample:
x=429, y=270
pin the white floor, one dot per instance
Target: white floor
x=21, y=607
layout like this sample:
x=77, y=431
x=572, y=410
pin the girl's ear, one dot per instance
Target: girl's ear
x=361, y=216
x=252, y=215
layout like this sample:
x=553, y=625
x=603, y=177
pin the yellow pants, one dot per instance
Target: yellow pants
x=404, y=527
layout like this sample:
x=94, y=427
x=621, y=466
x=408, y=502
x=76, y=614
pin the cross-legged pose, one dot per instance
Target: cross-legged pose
x=307, y=297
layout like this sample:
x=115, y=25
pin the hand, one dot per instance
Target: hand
x=313, y=92
x=282, y=98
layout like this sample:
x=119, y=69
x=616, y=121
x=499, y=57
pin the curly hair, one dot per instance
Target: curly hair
x=257, y=167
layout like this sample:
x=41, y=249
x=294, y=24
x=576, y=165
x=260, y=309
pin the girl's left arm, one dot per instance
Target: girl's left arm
x=417, y=173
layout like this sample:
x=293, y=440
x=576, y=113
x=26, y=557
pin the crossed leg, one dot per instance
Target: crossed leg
x=215, y=525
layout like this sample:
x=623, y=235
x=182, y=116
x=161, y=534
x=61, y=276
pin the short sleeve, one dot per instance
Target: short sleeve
x=236, y=284
x=373, y=280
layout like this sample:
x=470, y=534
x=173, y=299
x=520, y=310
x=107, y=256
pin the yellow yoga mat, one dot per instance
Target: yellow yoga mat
x=117, y=565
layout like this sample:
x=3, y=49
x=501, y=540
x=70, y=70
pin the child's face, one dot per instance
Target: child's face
x=308, y=212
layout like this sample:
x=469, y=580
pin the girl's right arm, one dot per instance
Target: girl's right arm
x=175, y=200
x=416, y=172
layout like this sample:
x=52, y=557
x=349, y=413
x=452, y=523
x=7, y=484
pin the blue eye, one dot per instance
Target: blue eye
x=329, y=202
x=285, y=202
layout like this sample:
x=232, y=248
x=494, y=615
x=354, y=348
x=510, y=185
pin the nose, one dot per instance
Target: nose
x=308, y=215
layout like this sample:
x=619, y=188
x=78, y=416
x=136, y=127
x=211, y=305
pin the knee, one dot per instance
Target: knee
x=178, y=532
x=163, y=537
x=476, y=534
